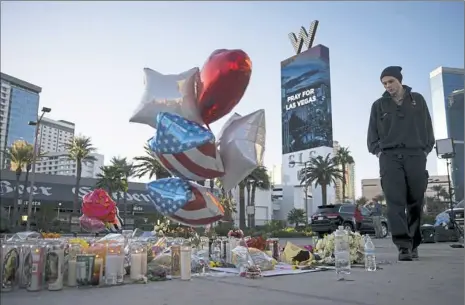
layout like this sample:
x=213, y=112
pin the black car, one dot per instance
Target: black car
x=328, y=218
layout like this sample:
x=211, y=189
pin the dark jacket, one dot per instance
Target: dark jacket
x=407, y=126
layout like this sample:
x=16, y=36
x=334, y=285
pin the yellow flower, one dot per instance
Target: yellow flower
x=294, y=267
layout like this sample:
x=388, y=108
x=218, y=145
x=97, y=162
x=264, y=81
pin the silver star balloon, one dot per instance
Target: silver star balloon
x=168, y=93
x=242, y=147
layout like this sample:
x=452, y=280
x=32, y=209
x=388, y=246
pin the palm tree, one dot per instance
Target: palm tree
x=80, y=150
x=127, y=170
x=438, y=189
x=226, y=200
x=343, y=158
x=361, y=201
x=296, y=216
x=379, y=198
x=444, y=194
x=18, y=155
x=242, y=185
x=107, y=179
x=29, y=161
x=321, y=171
x=260, y=179
x=149, y=165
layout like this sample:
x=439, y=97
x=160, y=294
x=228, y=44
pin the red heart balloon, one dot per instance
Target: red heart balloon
x=223, y=80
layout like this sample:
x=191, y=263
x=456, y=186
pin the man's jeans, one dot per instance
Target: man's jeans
x=378, y=228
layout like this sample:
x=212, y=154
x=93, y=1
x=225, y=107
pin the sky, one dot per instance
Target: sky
x=89, y=57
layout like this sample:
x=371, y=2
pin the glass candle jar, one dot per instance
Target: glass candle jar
x=113, y=263
x=175, y=261
x=37, y=273
x=185, y=262
x=10, y=258
x=74, y=250
x=138, y=261
x=25, y=263
x=55, y=264
x=84, y=269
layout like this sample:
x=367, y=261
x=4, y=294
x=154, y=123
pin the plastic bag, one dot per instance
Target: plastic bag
x=241, y=257
x=199, y=261
x=262, y=260
x=442, y=219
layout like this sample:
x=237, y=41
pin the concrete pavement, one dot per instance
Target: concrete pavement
x=438, y=277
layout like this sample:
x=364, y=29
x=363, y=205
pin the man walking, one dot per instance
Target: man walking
x=400, y=134
x=376, y=213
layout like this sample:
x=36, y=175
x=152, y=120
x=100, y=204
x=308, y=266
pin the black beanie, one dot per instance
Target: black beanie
x=393, y=71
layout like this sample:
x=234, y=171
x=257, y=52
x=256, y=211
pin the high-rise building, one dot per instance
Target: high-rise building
x=455, y=129
x=349, y=177
x=443, y=82
x=58, y=163
x=53, y=137
x=372, y=187
x=19, y=104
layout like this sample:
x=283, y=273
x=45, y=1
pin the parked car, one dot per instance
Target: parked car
x=328, y=218
x=458, y=213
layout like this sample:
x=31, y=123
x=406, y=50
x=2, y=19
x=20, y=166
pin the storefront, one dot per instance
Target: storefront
x=53, y=197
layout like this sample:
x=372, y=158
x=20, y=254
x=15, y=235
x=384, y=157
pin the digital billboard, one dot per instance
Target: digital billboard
x=306, y=101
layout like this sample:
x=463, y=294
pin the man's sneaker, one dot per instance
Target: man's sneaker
x=415, y=253
x=405, y=255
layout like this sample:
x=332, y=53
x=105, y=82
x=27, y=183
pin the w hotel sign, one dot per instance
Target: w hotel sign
x=305, y=38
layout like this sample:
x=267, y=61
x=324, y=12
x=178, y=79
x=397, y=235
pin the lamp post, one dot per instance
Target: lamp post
x=33, y=168
x=445, y=149
x=304, y=164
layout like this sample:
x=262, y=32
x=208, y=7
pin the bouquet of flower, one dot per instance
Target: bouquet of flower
x=325, y=248
x=236, y=233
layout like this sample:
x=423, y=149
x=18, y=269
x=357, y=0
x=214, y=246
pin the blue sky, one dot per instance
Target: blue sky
x=88, y=57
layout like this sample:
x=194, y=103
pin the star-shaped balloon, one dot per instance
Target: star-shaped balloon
x=175, y=134
x=168, y=93
x=242, y=147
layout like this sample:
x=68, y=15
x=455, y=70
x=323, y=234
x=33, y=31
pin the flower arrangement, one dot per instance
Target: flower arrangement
x=257, y=242
x=84, y=244
x=236, y=233
x=51, y=235
x=325, y=248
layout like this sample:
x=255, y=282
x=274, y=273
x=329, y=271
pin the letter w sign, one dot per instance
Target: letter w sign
x=304, y=37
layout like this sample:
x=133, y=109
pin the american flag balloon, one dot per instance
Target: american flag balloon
x=186, y=149
x=185, y=202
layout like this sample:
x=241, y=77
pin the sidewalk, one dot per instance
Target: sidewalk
x=438, y=274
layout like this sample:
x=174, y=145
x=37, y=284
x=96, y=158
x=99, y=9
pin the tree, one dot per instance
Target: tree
x=226, y=200
x=29, y=161
x=343, y=158
x=438, y=189
x=321, y=171
x=379, y=198
x=127, y=170
x=296, y=216
x=18, y=155
x=259, y=179
x=149, y=165
x=108, y=179
x=80, y=150
x=361, y=201
x=242, y=204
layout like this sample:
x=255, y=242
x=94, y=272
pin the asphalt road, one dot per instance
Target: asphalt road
x=437, y=278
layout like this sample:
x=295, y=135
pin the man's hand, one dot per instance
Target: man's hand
x=378, y=154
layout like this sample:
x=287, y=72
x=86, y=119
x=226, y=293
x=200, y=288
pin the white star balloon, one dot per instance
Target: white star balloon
x=168, y=93
x=242, y=147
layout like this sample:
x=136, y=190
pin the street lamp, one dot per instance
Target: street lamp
x=445, y=149
x=33, y=168
x=304, y=164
